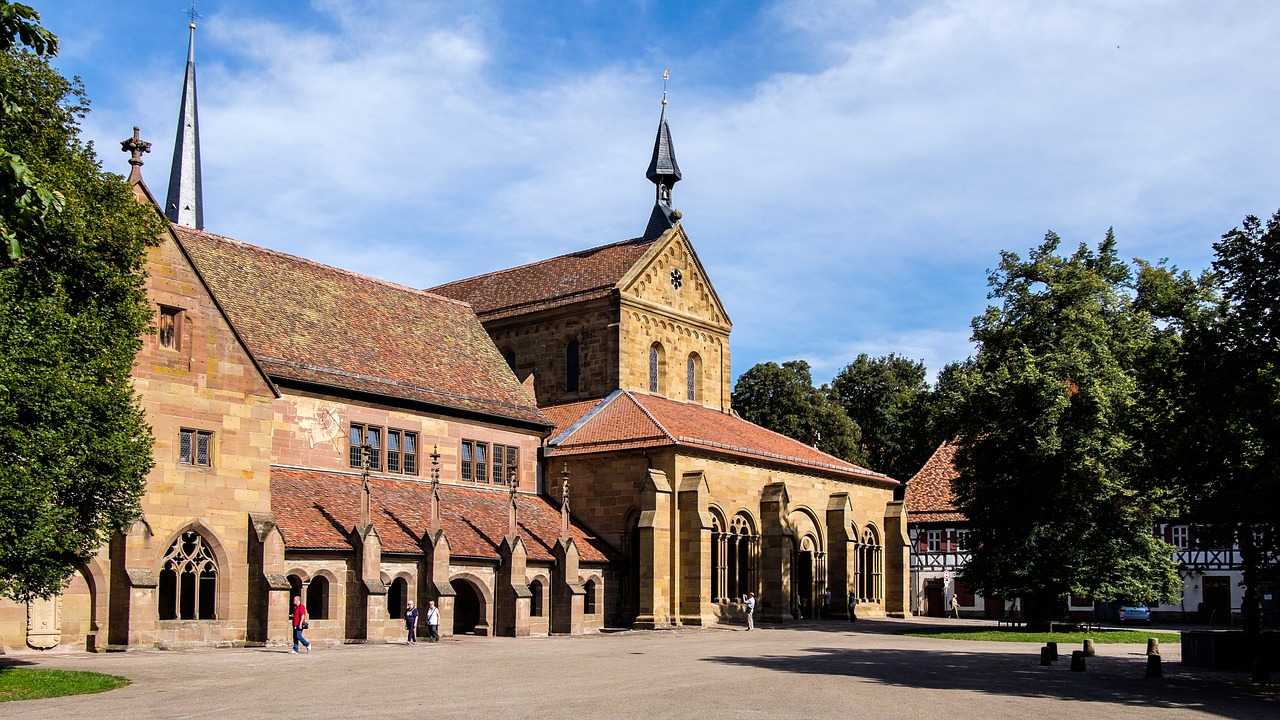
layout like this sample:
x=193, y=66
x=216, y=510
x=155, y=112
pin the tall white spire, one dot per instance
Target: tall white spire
x=185, y=204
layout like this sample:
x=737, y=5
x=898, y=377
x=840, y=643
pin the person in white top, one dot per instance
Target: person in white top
x=751, y=611
x=433, y=622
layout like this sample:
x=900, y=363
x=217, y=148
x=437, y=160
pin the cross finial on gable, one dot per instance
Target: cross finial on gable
x=135, y=146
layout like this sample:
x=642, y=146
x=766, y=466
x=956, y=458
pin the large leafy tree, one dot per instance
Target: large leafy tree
x=1051, y=460
x=74, y=446
x=1230, y=419
x=889, y=398
x=783, y=399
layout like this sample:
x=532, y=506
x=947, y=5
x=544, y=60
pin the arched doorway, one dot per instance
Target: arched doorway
x=397, y=596
x=802, y=577
x=467, y=607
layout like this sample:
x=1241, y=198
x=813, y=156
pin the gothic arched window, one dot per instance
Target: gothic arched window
x=693, y=369
x=657, y=367
x=188, y=580
x=571, y=366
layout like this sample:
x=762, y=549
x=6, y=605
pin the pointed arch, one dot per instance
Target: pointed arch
x=657, y=369
x=193, y=576
x=693, y=377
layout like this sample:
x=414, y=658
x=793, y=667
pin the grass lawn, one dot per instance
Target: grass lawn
x=1012, y=635
x=32, y=683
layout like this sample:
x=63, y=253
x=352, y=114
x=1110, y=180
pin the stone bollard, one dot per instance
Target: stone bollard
x=1045, y=657
x=1053, y=650
x=1155, y=668
x=1088, y=648
x=1077, y=661
x=1153, y=646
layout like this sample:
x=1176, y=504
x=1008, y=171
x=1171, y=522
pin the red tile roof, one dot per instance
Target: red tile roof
x=627, y=420
x=929, y=497
x=549, y=283
x=309, y=322
x=316, y=510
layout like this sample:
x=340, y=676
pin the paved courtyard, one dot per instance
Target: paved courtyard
x=817, y=670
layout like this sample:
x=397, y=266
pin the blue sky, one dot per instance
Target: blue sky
x=851, y=169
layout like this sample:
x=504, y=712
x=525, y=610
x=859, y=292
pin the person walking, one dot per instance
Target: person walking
x=411, y=623
x=826, y=603
x=433, y=622
x=853, y=607
x=751, y=611
x=299, y=624
x=955, y=605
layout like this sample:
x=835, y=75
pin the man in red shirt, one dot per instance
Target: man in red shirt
x=299, y=624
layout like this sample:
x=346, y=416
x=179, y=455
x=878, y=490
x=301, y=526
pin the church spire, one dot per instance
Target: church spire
x=664, y=173
x=185, y=205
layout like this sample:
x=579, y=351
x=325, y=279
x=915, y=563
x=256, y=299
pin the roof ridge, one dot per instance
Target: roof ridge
x=314, y=263
x=652, y=419
x=396, y=383
x=597, y=248
x=569, y=431
x=859, y=468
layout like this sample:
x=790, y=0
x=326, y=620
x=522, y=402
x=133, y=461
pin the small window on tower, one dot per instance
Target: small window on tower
x=169, y=327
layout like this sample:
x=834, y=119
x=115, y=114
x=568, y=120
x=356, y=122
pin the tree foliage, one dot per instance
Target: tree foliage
x=1052, y=455
x=25, y=202
x=782, y=398
x=74, y=445
x=1229, y=419
x=890, y=400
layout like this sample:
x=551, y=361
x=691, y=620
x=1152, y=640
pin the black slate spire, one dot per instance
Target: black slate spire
x=185, y=202
x=664, y=173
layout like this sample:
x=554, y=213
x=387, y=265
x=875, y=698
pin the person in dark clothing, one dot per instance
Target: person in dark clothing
x=411, y=623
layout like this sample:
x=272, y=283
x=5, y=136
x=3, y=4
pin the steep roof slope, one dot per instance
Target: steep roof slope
x=578, y=276
x=627, y=420
x=929, y=497
x=312, y=323
x=316, y=510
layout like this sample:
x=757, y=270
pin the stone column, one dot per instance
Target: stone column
x=776, y=546
x=897, y=561
x=269, y=602
x=840, y=552
x=512, y=596
x=133, y=615
x=693, y=501
x=367, y=594
x=433, y=580
x=567, y=595
x=655, y=552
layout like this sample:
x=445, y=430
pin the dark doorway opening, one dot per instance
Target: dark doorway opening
x=933, y=606
x=466, y=608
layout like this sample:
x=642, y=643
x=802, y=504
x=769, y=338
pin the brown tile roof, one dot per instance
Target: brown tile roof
x=627, y=420
x=315, y=511
x=929, y=497
x=549, y=283
x=309, y=322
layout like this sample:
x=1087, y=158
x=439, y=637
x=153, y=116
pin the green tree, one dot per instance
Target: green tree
x=1051, y=457
x=889, y=398
x=1230, y=417
x=24, y=200
x=74, y=445
x=783, y=399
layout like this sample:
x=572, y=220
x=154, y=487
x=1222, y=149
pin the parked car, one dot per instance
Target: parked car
x=1135, y=612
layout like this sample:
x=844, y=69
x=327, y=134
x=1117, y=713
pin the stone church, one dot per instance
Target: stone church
x=542, y=450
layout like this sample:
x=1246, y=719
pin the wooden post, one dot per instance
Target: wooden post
x=1077, y=661
x=1153, y=646
x=1089, y=650
x=1154, y=667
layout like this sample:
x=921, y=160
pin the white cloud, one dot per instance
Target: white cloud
x=849, y=208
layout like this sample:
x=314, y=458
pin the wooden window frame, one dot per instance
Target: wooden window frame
x=376, y=448
x=169, y=328
x=194, y=439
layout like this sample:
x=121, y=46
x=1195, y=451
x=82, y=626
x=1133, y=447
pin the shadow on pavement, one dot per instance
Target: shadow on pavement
x=1109, y=680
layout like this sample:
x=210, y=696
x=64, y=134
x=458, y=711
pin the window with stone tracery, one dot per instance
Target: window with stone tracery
x=869, y=571
x=189, y=580
x=734, y=553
